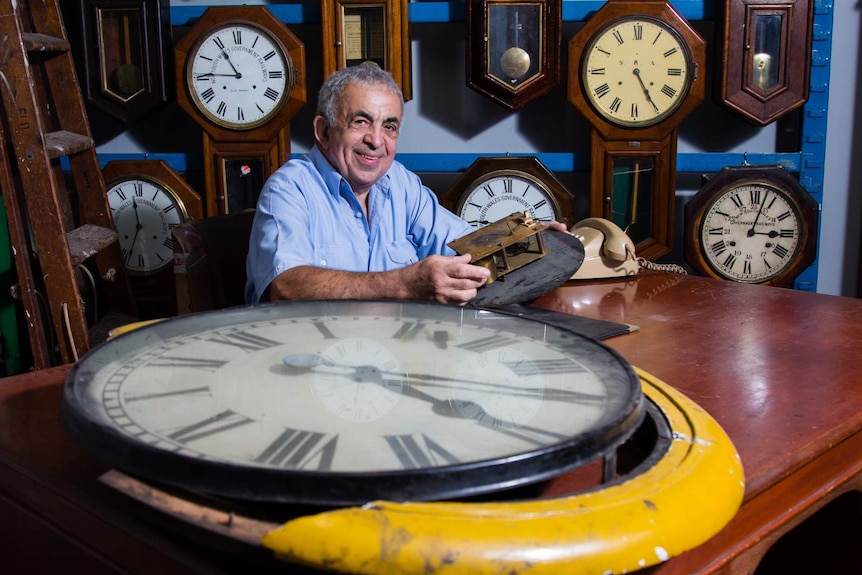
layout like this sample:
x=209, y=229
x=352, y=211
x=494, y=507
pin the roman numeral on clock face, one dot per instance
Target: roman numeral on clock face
x=418, y=450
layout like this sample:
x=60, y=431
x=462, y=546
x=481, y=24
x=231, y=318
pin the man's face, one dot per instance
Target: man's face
x=361, y=145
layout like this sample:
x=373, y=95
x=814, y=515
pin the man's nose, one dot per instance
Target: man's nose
x=374, y=136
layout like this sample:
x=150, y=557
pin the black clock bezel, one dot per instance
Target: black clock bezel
x=314, y=487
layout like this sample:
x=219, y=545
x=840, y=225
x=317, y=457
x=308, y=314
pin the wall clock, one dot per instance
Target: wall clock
x=368, y=32
x=639, y=73
x=344, y=402
x=241, y=74
x=752, y=224
x=124, y=63
x=495, y=187
x=765, y=57
x=148, y=199
x=513, y=49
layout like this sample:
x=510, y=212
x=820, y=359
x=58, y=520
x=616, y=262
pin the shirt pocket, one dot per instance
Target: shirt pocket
x=402, y=253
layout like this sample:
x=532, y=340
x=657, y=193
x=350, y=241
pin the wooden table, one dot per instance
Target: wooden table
x=776, y=368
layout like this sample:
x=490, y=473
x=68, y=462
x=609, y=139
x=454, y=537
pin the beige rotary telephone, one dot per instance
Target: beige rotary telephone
x=608, y=251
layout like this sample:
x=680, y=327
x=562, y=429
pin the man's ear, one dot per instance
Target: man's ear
x=321, y=131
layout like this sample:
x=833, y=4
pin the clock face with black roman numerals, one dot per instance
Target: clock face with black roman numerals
x=238, y=76
x=752, y=224
x=636, y=71
x=145, y=212
x=347, y=401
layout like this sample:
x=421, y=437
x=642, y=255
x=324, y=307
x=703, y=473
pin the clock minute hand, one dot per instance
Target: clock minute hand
x=309, y=361
x=236, y=72
x=637, y=74
x=751, y=232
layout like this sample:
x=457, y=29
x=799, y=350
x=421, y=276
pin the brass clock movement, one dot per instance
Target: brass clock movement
x=752, y=224
x=241, y=74
x=127, y=41
x=765, y=57
x=513, y=49
x=369, y=32
x=493, y=188
x=638, y=71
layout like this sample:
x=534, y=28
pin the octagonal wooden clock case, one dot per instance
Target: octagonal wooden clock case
x=636, y=71
x=513, y=49
x=241, y=76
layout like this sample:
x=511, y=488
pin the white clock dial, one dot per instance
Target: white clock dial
x=751, y=233
x=377, y=397
x=502, y=194
x=144, y=214
x=636, y=71
x=238, y=76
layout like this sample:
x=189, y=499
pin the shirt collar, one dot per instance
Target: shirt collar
x=334, y=180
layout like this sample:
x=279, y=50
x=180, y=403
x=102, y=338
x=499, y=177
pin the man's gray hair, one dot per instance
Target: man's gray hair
x=334, y=86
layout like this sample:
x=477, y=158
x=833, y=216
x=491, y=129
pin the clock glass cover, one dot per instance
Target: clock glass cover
x=500, y=194
x=144, y=213
x=238, y=76
x=347, y=401
x=636, y=71
x=752, y=232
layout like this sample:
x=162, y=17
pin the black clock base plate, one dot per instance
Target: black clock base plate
x=537, y=278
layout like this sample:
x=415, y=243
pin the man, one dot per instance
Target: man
x=346, y=220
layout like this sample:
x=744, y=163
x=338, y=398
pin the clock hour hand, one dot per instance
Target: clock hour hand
x=214, y=75
x=138, y=227
x=637, y=74
x=751, y=232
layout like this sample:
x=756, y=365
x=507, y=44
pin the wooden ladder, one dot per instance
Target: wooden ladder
x=65, y=245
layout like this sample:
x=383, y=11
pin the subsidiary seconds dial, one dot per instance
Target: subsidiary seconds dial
x=344, y=402
x=238, y=76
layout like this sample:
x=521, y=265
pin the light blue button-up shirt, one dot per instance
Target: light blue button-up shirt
x=307, y=214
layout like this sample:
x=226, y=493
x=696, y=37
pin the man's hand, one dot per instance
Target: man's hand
x=445, y=279
x=556, y=226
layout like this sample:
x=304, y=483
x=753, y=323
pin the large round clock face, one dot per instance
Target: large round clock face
x=348, y=401
x=636, y=71
x=501, y=193
x=144, y=211
x=751, y=232
x=238, y=76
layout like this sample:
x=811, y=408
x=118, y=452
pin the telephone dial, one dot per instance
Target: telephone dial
x=608, y=251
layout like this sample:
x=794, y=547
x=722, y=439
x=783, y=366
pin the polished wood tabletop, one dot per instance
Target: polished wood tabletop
x=776, y=368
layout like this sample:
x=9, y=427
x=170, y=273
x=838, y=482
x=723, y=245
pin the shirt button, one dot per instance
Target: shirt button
x=357, y=215
x=323, y=263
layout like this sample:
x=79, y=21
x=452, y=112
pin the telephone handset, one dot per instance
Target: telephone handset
x=608, y=251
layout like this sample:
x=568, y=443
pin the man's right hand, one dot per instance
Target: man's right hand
x=445, y=279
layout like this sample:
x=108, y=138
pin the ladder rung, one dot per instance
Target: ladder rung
x=34, y=42
x=65, y=143
x=88, y=240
